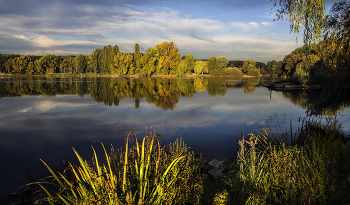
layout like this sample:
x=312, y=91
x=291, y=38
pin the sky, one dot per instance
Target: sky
x=236, y=29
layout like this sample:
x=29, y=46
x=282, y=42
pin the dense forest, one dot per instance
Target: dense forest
x=164, y=59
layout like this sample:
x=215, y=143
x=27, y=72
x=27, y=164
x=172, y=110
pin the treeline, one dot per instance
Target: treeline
x=163, y=59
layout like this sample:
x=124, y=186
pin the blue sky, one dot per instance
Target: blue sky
x=237, y=29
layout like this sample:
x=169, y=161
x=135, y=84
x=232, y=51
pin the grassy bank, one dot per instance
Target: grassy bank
x=304, y=167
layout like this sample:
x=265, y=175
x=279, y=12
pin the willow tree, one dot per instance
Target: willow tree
x=307, y=14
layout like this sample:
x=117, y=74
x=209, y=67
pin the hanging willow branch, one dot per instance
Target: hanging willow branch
x=307, y=14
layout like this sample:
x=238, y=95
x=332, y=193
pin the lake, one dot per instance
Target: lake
x=45, y=117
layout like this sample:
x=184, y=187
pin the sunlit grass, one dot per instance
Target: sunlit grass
x=144, y=173
x=302, y=170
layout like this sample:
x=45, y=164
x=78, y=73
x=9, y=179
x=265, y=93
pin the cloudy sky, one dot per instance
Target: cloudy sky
x=237, y=29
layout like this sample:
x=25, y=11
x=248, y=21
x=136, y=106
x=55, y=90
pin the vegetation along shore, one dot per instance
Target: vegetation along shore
x=310, y=166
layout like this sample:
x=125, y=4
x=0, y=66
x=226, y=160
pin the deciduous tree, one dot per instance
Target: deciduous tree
x=211, y=64
x=200, y=67
x=221, y=62
x=247, y=65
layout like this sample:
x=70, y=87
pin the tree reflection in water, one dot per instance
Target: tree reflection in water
x=165, y=93
x=325, y=102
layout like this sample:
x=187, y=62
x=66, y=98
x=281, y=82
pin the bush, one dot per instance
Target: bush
x=253, y=72
x=301, y=75
x=227, y=72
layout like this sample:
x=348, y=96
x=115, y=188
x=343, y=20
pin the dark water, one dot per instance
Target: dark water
x=45, y=117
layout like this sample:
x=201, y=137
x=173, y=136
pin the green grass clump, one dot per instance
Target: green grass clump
x=303, y=171
x=144, y=173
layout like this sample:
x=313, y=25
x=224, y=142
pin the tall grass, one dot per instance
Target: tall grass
x=303, y=172
x=144, y=173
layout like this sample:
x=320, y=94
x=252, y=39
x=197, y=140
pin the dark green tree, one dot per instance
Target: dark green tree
x=211, y=64
x=80, y=63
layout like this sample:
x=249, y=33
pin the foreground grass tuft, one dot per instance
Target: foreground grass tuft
x=305, y=169
x=144, y=173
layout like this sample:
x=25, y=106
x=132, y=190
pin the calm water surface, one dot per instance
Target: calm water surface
x=45, y=117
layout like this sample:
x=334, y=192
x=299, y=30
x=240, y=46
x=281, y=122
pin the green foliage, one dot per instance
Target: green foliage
x=67, y=65
x=253, y=72
x=94, y=62
x=39, y=69
x=274, y=68
x=301, y=75
x=221, y=62
x=215, y=88
x=248, y=65
x=326, y=62
x=137, y=50
x=4, y=62
x=227, y=72
x=211, y=64
x=249, y=85
x=189, y=64
x=200, y=67
x=304, y=173
x=298, y=59
x=30, y=69
x=181, y=68
x=168, y=58
x=333, y=67
x=143, y=173
x=235, y=63
x=307, y=14
x=338, y=23
x=80, y=64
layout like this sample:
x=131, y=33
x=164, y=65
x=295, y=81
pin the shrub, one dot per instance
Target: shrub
x=227, y=72
x=253, y=72
x=301, y=75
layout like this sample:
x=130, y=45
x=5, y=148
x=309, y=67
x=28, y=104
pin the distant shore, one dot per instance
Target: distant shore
x=123, y=76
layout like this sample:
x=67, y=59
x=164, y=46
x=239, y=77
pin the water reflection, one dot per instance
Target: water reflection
x=249, y=85
x=320, y=102
x=161, y=92
x=165, y=93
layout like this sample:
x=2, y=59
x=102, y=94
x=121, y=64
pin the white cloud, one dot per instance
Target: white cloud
x=267, y=24
x=247, y=27
x=47, y=105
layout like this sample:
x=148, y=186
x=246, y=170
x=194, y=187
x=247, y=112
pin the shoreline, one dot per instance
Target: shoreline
x=288, y=86
x=135, y=76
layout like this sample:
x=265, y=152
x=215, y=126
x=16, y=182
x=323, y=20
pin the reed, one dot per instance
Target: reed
x=303, y=172
x=144, y=173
